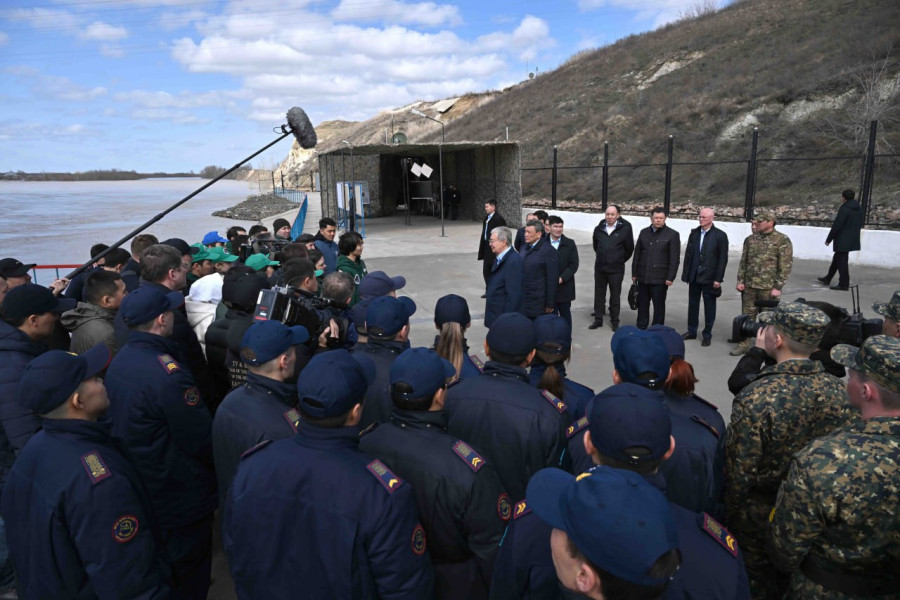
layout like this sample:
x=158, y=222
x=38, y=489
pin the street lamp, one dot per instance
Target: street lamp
x=419, y=113
x=351, y=200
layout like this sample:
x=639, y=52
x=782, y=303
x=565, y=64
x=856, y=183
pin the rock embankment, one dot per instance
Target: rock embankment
x=256, y=208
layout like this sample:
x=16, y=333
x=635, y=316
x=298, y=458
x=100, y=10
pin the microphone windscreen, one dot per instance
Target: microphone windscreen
x=302, y=128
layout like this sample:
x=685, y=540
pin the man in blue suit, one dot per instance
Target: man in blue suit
x=504, y=290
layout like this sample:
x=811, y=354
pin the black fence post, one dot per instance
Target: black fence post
x=750, y=194
x=869, y=172
x=553, y=181
x=605, y=195
x=667, y=200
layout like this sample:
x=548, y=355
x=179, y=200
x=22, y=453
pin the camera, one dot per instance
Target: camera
x=312, y=312
x=266, y=245
x=745, y=326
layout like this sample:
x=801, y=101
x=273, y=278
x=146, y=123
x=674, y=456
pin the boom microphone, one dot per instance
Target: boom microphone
x=302, y=128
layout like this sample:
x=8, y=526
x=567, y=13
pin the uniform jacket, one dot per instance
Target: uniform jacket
x=524, y=567
x=613, y=249
x=131, y=275
x=356, y=270
x=78, y=520
x=471, y=364
x=350, y=517
x=484, y=248
x=164, y=428
x=378, y=405
x=463, y=506
x=540, y=280
x=261, y=409
x=568, y=265
x=845, y=230
x=329, y=252
x=75, y=289
x=576, y=396
x=519, y=428
x=766, y=261
x=90, y=325
x=223, y=340
x=505, y=287
x=656, y=256
x=19, y=423
x=713, y=257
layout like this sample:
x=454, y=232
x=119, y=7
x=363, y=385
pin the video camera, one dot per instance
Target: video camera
x=312, y=312
x=267, y=245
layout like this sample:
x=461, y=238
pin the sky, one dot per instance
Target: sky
x=176, y=85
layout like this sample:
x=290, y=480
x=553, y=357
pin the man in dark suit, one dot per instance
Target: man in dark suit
x=568, y=265
x=504, y=291
x=704, y=269
x=541, y=272
x=845, y=235
x=492, y=219
x=655, y=266
x=613, y=245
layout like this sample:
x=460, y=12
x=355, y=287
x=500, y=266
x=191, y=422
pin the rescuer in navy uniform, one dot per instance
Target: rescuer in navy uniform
x=77, y=518
x=263, y=408
x=520, y=428
x=462, y=502
x=159, y=419
x=315, y=516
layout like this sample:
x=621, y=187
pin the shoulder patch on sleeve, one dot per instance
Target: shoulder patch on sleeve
x=95, y=467
x=719, y=533
x=417, y=541
x=576, y=427
x=192, y=396
x=468, y=455
x=475, y=360
x=125, y=528
x=255, y=448
x=292, y=416
x=385, y=476
x=168, y=363
x=504, y=509
x=521, y=509
x=558, y=404
x=706, y=424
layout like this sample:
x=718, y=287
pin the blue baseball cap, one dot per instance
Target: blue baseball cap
x=264, y=340
x=553, y=334
x=423, y=370
x=637, y=353
x=630, y=423
x=616, y=518
x=512, y=334
x=33, y=299
x=377, y=283
x=51, y=378
x=387, y=315
x=213, y=237
x=672, y=339
x=146, y=303
x=452, y=309
x=332, y=382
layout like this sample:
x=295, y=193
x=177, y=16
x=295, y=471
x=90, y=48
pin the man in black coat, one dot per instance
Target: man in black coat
x=655, y=266
x=504, y=291
x=492, y=219
x=704, y=269
x=541, y=272
x=845, y=235
x=567, y=253
x=613, y=245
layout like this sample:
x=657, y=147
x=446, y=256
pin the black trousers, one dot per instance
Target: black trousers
x=486, y=265
x=601, y=281
x=840, y=266
x=695, y=291
x=655, y=292
x=190, y=549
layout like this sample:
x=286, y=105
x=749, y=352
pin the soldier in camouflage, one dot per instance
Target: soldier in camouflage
x=891, y=313
x=836, y=523
x=788, y=405
x=766, y=264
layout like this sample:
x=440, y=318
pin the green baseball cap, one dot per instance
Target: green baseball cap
x=879, y=358
x=202, y=254
x=800, y=322
x=258, y=262
x=218, y=254
x=889, y=310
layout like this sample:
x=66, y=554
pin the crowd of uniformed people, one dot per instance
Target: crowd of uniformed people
x=352, y=465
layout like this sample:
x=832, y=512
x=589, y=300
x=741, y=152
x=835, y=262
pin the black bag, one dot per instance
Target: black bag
x=632, y=296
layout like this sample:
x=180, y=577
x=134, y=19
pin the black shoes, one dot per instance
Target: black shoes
x=484, y=295
x=614, y=325
x=689, y=336
x=598, y=323
x=823, y=280
x=706, y=341
x=842, y=288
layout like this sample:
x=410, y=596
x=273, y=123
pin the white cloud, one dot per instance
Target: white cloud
x=54, y=87
x=3, y=38
x=428, y=14
x=103, y=32
x=43, y=18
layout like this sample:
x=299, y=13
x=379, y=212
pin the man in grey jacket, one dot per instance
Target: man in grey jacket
x=92, y=321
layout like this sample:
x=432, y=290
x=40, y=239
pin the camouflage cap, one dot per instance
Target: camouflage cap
x=890, y=310
x=764, y=214
x=879, y=358
x=800, y=322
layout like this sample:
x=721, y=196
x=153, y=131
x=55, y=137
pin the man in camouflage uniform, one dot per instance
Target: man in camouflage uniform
x=766, y=264
x=891, y=313
x=835, y=524
x=788, y=405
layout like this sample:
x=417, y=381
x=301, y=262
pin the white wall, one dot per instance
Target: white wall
x=879, y=248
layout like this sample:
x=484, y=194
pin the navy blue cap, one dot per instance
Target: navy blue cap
x=387, y=315
x=33, y=299
x=512, y=334
x=377, y=283
x=52, y=377
x=671, y=338
x=452, y=309
x=358, y=311
x=616, y=518
x=630, y=423
x=334, y=381
x=146, y=303
x=637, y=352
x=264, y=340
x=12, y=267
x=182, y=246
x=553, y=333
x=423, y=370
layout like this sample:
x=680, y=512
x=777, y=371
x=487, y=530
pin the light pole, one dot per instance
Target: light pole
x=352, y=195
x=419, y=113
